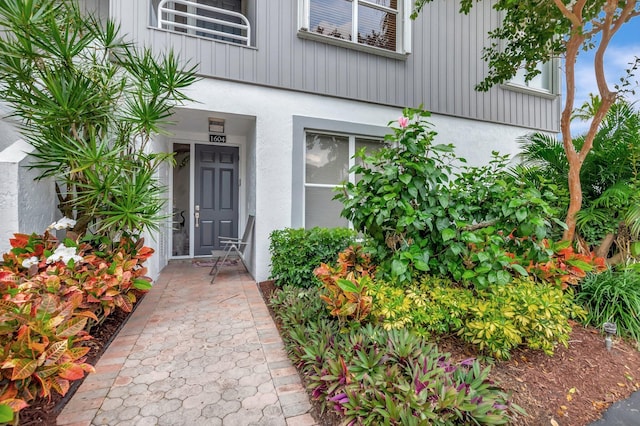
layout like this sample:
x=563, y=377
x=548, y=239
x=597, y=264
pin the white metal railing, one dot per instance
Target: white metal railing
x=224, y=22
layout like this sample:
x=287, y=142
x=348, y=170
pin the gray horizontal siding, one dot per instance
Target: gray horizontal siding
x=441, y=72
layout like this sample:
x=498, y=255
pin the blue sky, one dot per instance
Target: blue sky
x=624, y=47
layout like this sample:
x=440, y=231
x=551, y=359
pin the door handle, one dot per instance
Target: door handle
x=197, y=215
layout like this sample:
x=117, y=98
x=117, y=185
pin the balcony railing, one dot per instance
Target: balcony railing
x=189, y=17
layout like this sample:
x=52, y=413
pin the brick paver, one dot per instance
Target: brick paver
x=194, y=354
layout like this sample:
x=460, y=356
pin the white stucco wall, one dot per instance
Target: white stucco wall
x=274, y=110
x=26, y=205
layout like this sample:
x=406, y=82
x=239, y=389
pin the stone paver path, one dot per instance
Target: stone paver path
x=194, y=354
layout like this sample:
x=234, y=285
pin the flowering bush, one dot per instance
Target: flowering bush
x=424, y=211
x=52, y=293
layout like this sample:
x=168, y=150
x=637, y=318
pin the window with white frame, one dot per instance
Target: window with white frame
x=383, y=24
x=328, y=158
x=545, y=82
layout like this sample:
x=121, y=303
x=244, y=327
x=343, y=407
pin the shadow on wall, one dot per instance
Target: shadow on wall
x=26, y=205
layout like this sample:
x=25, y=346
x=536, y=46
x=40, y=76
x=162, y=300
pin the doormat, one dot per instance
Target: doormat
x=210, y=263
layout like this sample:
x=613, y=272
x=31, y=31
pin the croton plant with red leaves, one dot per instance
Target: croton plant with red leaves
x=52, y=293
x=565, y=266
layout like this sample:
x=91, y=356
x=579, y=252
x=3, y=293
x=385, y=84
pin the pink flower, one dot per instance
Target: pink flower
x=403, y=122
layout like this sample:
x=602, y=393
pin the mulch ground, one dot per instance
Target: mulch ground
x=571, y=388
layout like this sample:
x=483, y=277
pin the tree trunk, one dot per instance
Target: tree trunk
x=575, y=197
x=605, y=245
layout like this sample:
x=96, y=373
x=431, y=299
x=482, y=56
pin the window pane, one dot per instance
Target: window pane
x=376, y=28
x=321, y=210
x=327, y=159
x=392, y=4
x=332, y=18
x=541, y=81
x=370, y=146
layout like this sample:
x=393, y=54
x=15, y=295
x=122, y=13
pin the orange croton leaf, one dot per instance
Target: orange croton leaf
x=16, y=404
x=123, y=303
x=19, y=240
x=72, y=327
x=60, y=385
x=23, y=368
x=9, y=393
x=87, y=314
x=71, y=371
x=77, y=353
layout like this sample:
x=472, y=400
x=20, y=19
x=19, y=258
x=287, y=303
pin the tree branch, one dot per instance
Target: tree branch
x=479, y=225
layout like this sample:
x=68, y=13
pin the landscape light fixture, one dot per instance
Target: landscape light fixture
x=611, y=329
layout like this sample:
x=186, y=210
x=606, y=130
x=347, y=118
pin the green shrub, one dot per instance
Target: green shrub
x=431, y=306
x=424, y=216
x=613, y=296
x=524, y=312
x=295, y=253
x=369, y=375
x=496, y=320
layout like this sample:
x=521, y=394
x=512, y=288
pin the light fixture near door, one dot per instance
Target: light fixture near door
x=216, y=125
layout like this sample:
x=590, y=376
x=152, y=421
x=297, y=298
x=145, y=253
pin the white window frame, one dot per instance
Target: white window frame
x=403, y=28
x=552, y=71
x=351, y=162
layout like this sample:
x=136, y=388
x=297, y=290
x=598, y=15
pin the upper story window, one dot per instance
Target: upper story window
x=224, y=20
x=545, y=83
x=382, y=24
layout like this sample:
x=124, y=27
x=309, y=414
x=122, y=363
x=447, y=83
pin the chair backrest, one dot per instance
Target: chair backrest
x=251, y=219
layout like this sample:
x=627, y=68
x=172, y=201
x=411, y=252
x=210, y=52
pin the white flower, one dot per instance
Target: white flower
x=64, y=254
x=63, y=223
x=28, y=263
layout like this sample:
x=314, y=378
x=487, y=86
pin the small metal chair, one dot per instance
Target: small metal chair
x=229, y=245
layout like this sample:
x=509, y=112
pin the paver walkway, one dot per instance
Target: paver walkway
x=194, y=354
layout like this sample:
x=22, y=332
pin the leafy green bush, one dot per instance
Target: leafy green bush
x=496, y=320
x=369, y=375
x=423, y=217
x=433, y=305
x=295, y=253
x=613, y=296
x=524, y=312
x=90, y=108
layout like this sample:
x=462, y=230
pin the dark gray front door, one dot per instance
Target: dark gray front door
x=216, y=196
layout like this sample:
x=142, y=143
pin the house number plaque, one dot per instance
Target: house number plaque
x=218, y=138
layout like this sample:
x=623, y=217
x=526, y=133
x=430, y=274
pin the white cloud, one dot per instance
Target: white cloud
x=617, y=59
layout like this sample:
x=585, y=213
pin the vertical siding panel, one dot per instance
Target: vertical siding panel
x=465, y=74
x=288, y=41
x=424, y=60
x=451, y=44
x=233, y=69
x=372, y=81
x=342, y=72
x=320, y=84
x=433, y=75
x=381, y=78
x=412, y=66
